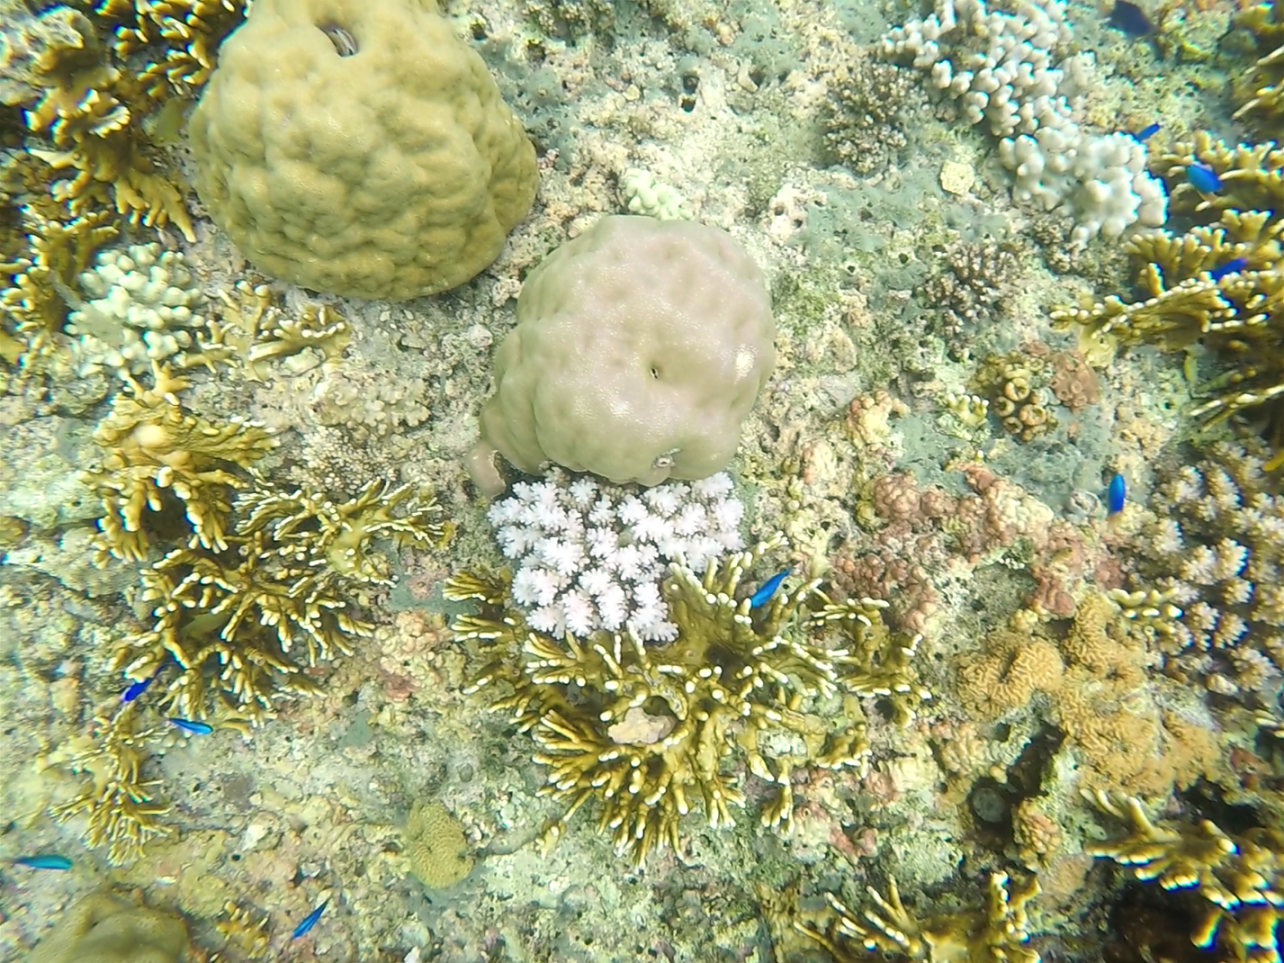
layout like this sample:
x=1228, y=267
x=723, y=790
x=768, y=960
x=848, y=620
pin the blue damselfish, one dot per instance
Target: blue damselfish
x=309, y=921
x=47, y=861
x=1203, y=178
x=1116, y=495
x=1232, y=266
x=767, y=590
x=191, y=727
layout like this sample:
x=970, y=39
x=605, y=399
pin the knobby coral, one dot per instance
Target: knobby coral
x=641, y=728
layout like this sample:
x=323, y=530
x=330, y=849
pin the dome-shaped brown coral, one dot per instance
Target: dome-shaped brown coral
x=360, y=148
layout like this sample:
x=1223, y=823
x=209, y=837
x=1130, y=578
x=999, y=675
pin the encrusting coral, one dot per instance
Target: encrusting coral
x=1237, y=879
x=157, y=454
x=102, y=928
x=1220, y=284
x=641, y=727
x=998, y=932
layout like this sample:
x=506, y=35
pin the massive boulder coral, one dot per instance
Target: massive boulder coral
x=640, y=346
x=360, y=149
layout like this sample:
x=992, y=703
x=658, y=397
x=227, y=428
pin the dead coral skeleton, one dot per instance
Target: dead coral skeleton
x=642, y=729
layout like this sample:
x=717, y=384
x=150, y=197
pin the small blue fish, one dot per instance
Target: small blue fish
x=1130, y=18
x=1116, y=494
x=191, y=727
x=767, y=590
x=1203, y=178
x=309, y=921
x=138, y=688
x=44, y=862
x=1146, y=133
x=1232, y=266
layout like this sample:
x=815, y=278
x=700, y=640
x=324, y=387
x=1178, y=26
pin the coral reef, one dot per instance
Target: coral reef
x=103, y=928
x=639, y=728
x=92, y=113
x=284, y=159
x=1003, y=69
x=998, y=932
x=862, y=117
x=1123, y=729
x=1017, y=387
x=590, y=557
x=158, y=455
x=974, y=285
x=42, y=281
x=1237, y=880
x=1259, y=91
x=180, y=38
x=435, y=845
x=139, y=310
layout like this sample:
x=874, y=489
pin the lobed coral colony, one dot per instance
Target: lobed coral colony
x=1113, y=642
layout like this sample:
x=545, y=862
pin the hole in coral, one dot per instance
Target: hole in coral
x=655, y=372
x=345, y=45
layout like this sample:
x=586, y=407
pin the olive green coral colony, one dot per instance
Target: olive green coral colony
x=1147, y=680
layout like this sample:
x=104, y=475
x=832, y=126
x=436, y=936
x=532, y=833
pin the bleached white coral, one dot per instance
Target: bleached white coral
x=140, y=310
x=591, y=555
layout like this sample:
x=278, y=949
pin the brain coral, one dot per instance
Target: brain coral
x=359, y=148
x=640, y=346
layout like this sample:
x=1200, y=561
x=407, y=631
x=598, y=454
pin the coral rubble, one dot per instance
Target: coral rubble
x=639, y=728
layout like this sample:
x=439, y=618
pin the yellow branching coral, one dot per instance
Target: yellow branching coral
x=647, y=729
x=92, y=113
x=156, y=454
x=187, y=31
x=995, y=933
x=43, y=280
x=1238, y=878
x=121, y=806
x=243, y=622
x=249, y=327
x=1260, y=91
x=1220, y=284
